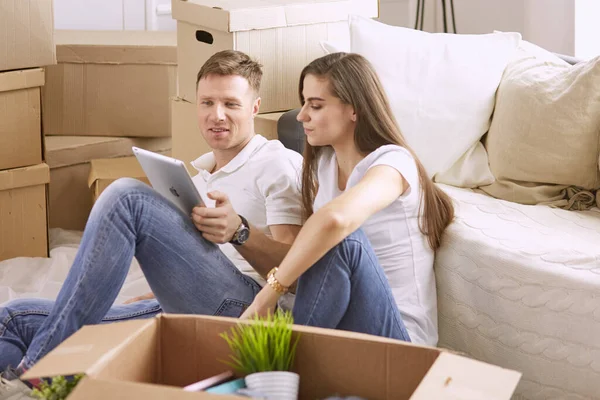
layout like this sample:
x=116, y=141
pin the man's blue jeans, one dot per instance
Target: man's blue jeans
x=346, y=289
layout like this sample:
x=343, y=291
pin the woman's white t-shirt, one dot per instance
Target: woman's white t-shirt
x=401, y=248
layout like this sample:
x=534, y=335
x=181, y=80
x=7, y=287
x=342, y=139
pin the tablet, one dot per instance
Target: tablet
x=169, y=177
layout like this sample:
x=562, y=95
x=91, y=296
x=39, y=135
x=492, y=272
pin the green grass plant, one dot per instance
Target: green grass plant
x=263, y=344
x=58, y=389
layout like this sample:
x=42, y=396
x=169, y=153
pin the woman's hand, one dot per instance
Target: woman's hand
x=264, y=303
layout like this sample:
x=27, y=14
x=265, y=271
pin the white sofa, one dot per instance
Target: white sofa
x=518, y=285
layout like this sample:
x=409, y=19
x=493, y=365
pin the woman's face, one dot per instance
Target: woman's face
x=326, y=120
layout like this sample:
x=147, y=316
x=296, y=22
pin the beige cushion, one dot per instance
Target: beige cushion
x=544, y=139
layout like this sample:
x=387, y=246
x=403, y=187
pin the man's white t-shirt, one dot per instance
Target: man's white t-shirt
x=262, y=183
x=401, y=248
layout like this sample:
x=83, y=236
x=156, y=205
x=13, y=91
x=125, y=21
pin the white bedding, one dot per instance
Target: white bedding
x=519, y=286
x=43, y=277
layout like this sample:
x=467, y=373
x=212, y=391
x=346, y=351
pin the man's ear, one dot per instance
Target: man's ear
x=256, y=107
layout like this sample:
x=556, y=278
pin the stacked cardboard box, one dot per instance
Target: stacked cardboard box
x=111, y=83
x=26, y=44
x=266, y=124
x=70, y=159
x=109, y=91
x=105, y=171
x=283, y=36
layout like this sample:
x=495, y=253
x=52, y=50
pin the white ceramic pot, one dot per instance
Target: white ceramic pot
x=279, y=385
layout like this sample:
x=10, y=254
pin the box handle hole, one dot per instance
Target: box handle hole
x=204, y=37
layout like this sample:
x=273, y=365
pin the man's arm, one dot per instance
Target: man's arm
x=219, y=224
x=264, y=253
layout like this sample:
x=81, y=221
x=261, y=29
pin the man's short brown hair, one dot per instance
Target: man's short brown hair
x=232, y=62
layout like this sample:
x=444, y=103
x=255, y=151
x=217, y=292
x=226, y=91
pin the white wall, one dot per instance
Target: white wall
x=548, y=23
x=477, y=16
x=587, y=28
x=403, y=13
x=551, y=24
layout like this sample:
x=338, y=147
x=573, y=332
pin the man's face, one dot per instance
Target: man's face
x=226, y=108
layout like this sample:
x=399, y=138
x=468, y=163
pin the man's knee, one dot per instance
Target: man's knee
x=15, y=308
x=21, y=306
x=120, y=188
x=125, y=186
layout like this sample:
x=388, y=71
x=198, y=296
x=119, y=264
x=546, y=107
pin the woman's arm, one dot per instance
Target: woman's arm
x=380, y=186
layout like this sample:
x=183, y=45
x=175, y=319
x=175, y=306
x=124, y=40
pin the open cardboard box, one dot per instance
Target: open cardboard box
x=153, y=359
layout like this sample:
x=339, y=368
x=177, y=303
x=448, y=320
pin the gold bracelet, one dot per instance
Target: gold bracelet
x=274, y=283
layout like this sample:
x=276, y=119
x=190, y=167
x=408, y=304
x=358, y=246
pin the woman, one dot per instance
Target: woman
x=373, y=213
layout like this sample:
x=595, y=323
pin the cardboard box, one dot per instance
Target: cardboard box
x=20, y=118
x=266, y=125
x=188, y=142
x=111, y=83
x=283, y=35
x=69, y=160
x=105, y=171
x=23, y=212
x=26, y=37
x=123, y=360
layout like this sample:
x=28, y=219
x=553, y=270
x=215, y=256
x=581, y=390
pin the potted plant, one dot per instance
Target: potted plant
x=59, y=388
x=263, y=351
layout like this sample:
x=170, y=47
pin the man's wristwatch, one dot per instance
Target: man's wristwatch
x=242, y=234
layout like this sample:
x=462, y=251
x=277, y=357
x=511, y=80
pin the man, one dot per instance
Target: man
x=210, y=262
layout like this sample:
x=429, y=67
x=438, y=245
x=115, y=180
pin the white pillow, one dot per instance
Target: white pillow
x=334, y=47
x=441, y=89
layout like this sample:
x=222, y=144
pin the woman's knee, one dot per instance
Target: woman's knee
x=356, y=236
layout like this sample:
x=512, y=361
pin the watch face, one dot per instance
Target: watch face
x=243, y=235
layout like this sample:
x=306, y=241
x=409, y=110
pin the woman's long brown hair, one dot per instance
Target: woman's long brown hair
x=353, y=80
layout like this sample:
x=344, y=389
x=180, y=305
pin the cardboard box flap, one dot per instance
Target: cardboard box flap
x=114, y=168
x=116, y=47
x=88, y=349
x=22, y=79
x=63, y=151
x=23, y=177
x=456, y=377
x=234, y=15
x=93, y=389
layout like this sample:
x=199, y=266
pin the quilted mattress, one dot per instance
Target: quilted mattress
x=519, y=286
